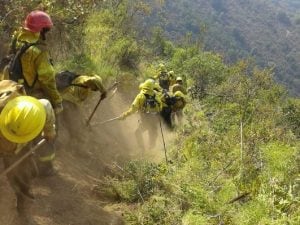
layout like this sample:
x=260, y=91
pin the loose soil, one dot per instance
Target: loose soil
x=68, y=198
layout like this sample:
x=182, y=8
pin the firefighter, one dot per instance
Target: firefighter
x=36, y=72
x=148, y=104
x=173, y=105
x=172, y=78
x=74, y=95
x=178, y=86
x=178, y=106
x=80, y=87
x=22, y=120
x=32, y=67
x=163, y=77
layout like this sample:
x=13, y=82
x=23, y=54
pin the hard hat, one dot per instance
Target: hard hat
x=37, y=20
x=162, y=67
x=147, y=85
x=179, y=79
x=171, y=73
x=22, y=119
x=179, y=94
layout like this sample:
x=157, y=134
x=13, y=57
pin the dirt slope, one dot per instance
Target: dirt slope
x=68, y=198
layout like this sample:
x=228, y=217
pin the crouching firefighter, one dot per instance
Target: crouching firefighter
x=148, y=104
x=75, y=90
x=23, y=120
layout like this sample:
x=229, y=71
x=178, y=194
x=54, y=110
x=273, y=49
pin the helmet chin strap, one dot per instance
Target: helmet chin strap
x=43, y=33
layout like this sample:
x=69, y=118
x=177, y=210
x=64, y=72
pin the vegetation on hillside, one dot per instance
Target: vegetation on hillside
x=267, y=31
x=236, y=159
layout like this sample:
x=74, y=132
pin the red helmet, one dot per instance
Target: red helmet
x=37, y=20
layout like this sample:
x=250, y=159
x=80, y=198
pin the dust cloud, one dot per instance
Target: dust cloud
x=67, y=197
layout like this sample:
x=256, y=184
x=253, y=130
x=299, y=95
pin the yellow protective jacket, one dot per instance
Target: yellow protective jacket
x=179, y=104
x=36, y=65
x=86, y=84
x=9, y=148
x=178, y=87
x=139, y=104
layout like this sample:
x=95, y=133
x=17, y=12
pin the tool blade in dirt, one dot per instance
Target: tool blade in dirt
x=113, y=93
x=108, y=121
x=100, y=100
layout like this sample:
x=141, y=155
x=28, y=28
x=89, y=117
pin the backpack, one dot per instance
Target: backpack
x=150, y=104
x=169, y=100
x=9, y=90
x=15, y=66
x=163, y=80
x=65, y=78
x=163, y=76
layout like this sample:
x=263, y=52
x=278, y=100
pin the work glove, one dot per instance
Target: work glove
x=58, y=108
x=103, y=95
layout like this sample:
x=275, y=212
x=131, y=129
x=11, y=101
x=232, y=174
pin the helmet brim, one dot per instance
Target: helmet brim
x=11, y=136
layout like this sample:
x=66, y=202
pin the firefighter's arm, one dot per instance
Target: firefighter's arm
x=46, y=78
x=157, y=87
x=135, y=106
x=95, y=83
x=49, y=131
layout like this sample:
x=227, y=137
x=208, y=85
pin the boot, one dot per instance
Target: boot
x=46, y=169
x=21, y=204
x=28, y=194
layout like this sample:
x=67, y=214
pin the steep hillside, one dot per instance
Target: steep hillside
x=71, y=196
x=235, y=158
x=268, y=31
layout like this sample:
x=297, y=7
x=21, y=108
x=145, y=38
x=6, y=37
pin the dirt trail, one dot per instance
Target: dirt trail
x=67, y=198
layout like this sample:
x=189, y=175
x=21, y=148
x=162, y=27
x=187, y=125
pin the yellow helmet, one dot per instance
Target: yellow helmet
x=22, y=119
x=171, y=74
x=147, y=85
x=179, y=79
x=162, y=68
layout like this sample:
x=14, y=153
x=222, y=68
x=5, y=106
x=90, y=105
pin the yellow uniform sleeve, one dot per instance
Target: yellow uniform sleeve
x=46, y=77
x=136, y=105
x=178, y=87
x=49, y=128
x=94, y=83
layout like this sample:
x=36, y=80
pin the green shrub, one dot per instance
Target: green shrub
x=251, y=213
x=194, y=218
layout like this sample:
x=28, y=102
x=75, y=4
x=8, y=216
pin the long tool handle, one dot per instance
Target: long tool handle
x=30, y=152
x=107, y=121
x=163, y=139
x=98, y=103
x=92, y=114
